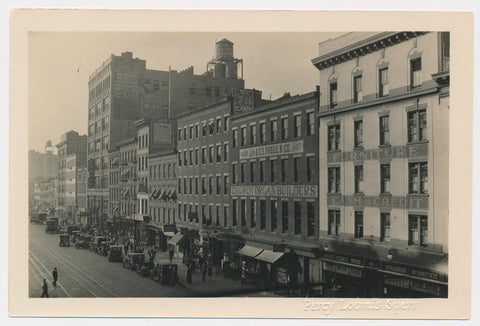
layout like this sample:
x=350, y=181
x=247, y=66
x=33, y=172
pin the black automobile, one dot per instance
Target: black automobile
x=84, y=241
x=132, y=259
x=64, y=240
x=115, y=253
x=145, y=269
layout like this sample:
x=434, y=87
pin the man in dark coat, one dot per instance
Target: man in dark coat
x=55, y=276
x=45, y=289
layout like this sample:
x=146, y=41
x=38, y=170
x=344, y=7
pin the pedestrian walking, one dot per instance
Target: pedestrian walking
x=243, y=275
x=210, y=264
x=55, y=277
x=203, y=269
x=45, y=289
x=170, y=255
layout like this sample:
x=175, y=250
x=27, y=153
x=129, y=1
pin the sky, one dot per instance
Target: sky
x=61, y=62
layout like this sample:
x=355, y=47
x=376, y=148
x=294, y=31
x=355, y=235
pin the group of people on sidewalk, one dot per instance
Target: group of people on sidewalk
x=202, y=262
x=45, y=285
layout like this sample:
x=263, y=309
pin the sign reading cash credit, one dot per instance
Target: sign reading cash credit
x=293, y=147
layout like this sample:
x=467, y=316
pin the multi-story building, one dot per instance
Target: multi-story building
x=162, y=202
x=122, y=90
x=274, y=192
x=42, y=166
x=383, y=158
x=72, y=156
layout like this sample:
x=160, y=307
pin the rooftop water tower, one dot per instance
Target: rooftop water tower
x=225, y=65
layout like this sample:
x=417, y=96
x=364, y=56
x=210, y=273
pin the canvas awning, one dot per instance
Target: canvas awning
x=249, y=251
x=177, y=238
x=269, y=256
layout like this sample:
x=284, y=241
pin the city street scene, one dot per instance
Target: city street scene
x=239, y=164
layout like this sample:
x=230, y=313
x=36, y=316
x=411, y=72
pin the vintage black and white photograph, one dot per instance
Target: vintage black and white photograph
x=313, y=165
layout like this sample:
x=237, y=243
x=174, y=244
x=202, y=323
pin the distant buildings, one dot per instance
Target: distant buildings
x=42, y=166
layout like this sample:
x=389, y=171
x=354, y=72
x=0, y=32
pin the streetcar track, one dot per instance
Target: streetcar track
x=72, y=267
x=45, y=269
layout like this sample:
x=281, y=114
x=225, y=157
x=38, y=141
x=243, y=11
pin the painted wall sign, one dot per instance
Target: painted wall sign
x=304, y=191
x=379, y=201
x=414, y=150
x=243, y=100
x=293, y=147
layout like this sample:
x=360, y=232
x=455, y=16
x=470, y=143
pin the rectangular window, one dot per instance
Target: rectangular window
x=284, y=169
x=296, y=169
x=252, y=172
x=333, y=95
x=334, y=222
x=234, y=212
x=310, y=219
x=416, y=72
x=385, y=227
x=185, y=133
x=234, y=138
x=263, y=132
x=273, y=213
x=358, y=225
x=219, y=153
x=243, y=211
x=243, y=140
x=358, y=133
x=204, y=185
x=225, y=216
x=297, y=132
x=211, y=154
x=284, y=128
x=225, y=123
x=191, y=157
x=219, y=125
x=273, y=130
x=204, y=128
x=385, y=130
x=204, y=155
x=210, y=185
x=253, y=213
x=234, y=173
x=284, y=216
x=217, y=216
x=383, y=88
x=225, y=185
x=262, y=171
x=334, y=180
x=357, y=89
x=196, y=131
x=185, y=162
x=196, y=156
x=417, y=230
x=263, y=214
x=225, y=152
x=211, y=127
x=334, y=138
x=310, y=168
x=196, y=186
x=385, y=178
x=359, y=179
x=418, y=178
x=190, y=132
x=417, y=125
x=273, y=164
x=297, y=217
x=253, y=135
x=242, y=172
x=310, y=123
x=190, y=186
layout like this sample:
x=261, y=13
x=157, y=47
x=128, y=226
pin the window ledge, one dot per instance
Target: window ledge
x=384, y=146
x=360, y=148
x=385, y=194
x=417, y=142
x=334, y=151
x=417, y=195
x=359, y=194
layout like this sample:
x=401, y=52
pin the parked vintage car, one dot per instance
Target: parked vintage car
x=103, y=248
x=145, y=269
x=97, y=241
x=51, y=225
x=166, y=274
x=132, y=259
x=72, y=228
x=115, y=253
x=64, y=240
x=76, y=235
x=84, y=240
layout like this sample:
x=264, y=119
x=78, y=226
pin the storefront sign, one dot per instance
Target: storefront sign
x=293, y=147
x=396, y=269
x=414, y=150
x=398, y=282
x=302, y=191
x=344, y=259
x=342, y=269
x=424, y=274
x=379, y=201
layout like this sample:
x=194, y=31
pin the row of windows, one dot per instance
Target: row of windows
x=163, y=215
x=417, y=227
x=416, y=130
x=99, y=126
x=163, y=171
x=204, y=155
x=211, y=127
x=191, y=213
x=204, y=185
x=99, y=145
x=417, y=179
x=275, y=134
x=103, y=86
x=277, y=170
x=143, y=141
x=383, y=83
x=192, y=90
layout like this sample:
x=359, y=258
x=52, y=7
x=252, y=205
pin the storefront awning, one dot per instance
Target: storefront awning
x=177, y=238
x=169, y=234
x=269, y=256
x=249, y=251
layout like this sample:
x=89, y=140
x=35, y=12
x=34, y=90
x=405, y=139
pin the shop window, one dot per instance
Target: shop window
x=418, y=178
x=284, y=216
x=334, y=222
x=385, y=227
x=418, y=230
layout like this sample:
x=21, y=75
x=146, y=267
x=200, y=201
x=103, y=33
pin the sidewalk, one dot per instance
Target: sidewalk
x=217, y=285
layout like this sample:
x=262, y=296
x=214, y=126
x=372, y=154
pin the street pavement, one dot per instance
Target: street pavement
x=83, y=273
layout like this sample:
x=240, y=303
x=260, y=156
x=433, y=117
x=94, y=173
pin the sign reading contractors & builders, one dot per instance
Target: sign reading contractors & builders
x=293, y=147
x=304, y=191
